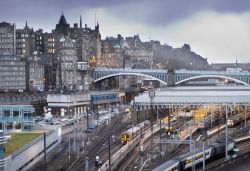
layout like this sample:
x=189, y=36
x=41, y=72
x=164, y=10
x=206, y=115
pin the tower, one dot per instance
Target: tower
x=62, y=27
x=80, y=22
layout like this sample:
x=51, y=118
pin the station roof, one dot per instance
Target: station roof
x=194, y=95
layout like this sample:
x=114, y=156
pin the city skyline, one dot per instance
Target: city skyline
x=217, y=30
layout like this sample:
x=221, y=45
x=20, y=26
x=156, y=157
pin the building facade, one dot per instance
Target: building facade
x=112, y=53
x=12, y=75
x=68, y=78
x=16, y=117
x=25, y=41
x=7, y=39
x=36, y=74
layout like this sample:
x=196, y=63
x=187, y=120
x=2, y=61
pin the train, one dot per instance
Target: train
x=184, y=162
x=234, y=120
x=204, y=123
x=131, y=133
x=174, y=125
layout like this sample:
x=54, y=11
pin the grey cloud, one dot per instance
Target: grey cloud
x=162, y=12
x=156, y=12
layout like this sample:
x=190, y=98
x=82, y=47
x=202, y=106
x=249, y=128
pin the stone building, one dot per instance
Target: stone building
x=39, y=42
x=7, y=39
x=36, y=74
x=112, y=53
x=68, y=78
x=12, y=75
x=25, y=41
x=88, y=41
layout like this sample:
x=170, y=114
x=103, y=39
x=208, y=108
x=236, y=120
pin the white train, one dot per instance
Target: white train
x=184, y=161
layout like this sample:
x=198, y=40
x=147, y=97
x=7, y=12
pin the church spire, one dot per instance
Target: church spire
x=80, y=21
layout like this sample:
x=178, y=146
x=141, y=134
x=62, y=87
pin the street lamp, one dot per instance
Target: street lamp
x=60, y=66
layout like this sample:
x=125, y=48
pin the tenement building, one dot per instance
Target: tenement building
x=36, y=74
x=68, y=77
x=25, y=41
x=112, y=52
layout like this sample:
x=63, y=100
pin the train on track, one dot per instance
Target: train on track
x=234, y=120
x=204, y=123
x=131, y=133
x=172, y=127
x=184, y=162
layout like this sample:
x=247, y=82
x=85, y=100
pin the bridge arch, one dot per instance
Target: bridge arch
x=135, y=74
x=211, y=76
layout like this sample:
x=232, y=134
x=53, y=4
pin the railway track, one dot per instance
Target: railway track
x=94, y=149
x=134, y=157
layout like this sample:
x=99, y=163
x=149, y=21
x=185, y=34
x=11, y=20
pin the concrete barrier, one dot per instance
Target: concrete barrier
x=29, y=154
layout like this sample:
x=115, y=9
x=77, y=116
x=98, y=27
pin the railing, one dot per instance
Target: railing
x=26, y=146
x=3, y=162
x=17, y=118
x=180, y=71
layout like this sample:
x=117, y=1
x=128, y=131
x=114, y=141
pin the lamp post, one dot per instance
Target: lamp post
x=60, y=66
x=151, y=94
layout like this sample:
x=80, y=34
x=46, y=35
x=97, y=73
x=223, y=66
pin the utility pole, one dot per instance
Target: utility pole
x=109, y=144
x=45, y=154
x=87, y=163
x=245, y=112
x=74, y=134
x=226, y=155
x=191, y=146
x=88, y=142
x=151, y=96
x=69, y=144
x=204, y=156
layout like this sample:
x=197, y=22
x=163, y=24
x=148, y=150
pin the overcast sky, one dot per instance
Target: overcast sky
x=215, y=29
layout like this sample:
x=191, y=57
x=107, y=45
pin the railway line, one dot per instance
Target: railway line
x=94, y=149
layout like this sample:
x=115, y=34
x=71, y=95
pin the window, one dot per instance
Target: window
x=15, y=113
x=6, y=113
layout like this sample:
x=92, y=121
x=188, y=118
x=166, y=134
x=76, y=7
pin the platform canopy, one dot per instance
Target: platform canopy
x=193, y=96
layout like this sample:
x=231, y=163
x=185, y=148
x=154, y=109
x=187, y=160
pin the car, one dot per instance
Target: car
x=87, y=130
x=92, y=126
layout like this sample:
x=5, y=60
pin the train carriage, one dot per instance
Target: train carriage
x=197, y=158
x=171, y=165
x=234, y=120
x=184, y=162
x=134, y=131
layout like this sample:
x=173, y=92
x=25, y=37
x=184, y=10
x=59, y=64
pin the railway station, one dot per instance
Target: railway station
x=215, y=114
